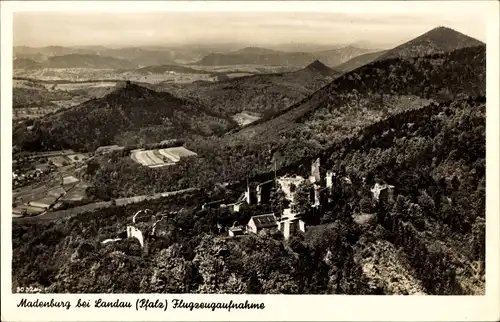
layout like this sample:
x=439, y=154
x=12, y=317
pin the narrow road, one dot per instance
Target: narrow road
x=51, y=215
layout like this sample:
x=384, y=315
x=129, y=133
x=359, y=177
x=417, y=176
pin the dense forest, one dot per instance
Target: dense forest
x=309, y=128
x=129, y=115
x=428, y=240
x=266, y=94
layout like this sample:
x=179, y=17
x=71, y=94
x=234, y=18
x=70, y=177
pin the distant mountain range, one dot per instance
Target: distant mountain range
x=334, y=57
x=263, y=56
x=136, y=57
x=75, y=61
x=285, y=98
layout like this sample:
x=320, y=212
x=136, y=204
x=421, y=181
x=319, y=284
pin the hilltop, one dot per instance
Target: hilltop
x=336, y=111
x=428, y=240
x=129, y=115
x=266, y=94
x=436, y=41
x=255, y=51
x=317, y=67
x=372, y=87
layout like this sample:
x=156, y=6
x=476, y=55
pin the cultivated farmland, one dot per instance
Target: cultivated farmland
x=160, y=157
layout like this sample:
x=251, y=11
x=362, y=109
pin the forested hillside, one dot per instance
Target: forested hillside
x=430, y=240
x=130, y=115
x=341, y=109
x=266, y=94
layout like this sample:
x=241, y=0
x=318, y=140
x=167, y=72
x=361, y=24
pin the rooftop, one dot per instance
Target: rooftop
x=264, y=221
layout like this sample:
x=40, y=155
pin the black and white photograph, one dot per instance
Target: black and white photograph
x=191, y=152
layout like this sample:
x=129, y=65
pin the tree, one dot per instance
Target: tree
x=366, y=205
x=302, y=199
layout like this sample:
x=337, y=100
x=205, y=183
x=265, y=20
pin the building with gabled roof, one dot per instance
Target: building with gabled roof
x=260, y=222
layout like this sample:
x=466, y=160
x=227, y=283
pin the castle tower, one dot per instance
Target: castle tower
x=315, y=172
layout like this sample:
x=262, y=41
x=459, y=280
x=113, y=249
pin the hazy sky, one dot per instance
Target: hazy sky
x=257, y=28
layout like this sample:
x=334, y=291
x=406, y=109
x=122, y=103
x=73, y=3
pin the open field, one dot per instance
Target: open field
x=160, y=157
x=59, y=181
x=70, y=79
x=245, y=118
x=77, y=193
x=87, y=77
x=77, y=86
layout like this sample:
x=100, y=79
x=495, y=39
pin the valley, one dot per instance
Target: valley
x=252, y=170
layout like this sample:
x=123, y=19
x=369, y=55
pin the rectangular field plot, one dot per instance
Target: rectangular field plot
x=161, y=157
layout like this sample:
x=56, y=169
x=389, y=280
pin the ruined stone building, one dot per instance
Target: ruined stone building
x=133, y=232
x=236, y=230
x=290, y=223
x=289, y=185
x=263, y=191
x=315, y=176
x=383, y=192
x=144, y=226
x=212, y=204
